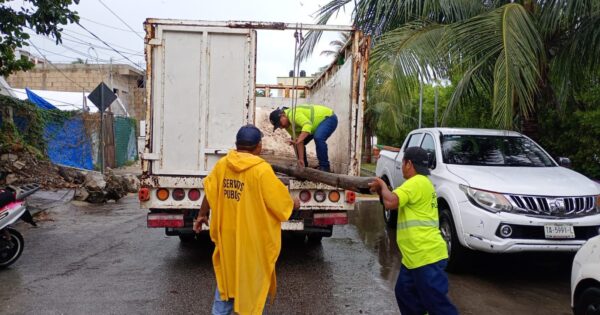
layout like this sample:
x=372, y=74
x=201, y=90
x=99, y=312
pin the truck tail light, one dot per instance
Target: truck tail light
x=162, y=194
x=160, y=220
x=194, y=194
x=178, y=194
x=331, y=218
x=144, y=194
x=334, y=196
x=350, y=196
x=305, y=196
x=320, y=196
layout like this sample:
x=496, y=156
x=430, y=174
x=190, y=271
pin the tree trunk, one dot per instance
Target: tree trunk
x=530, y=127
x=354, y=183
x=368, y=144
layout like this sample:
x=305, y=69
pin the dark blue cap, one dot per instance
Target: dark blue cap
x=248, y=135
x=274, y=118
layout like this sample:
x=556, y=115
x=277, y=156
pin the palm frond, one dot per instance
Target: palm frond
x=557, y=16
x=507, y=38
x=414, y=48
x=580, y=55
x=324, y=14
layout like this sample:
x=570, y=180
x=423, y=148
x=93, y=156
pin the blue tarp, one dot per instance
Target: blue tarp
x=37, y=100
x=68, y=143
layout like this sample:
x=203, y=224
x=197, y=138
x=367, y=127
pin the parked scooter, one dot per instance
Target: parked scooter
x=13, y=208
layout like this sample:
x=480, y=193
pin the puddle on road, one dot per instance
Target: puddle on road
x=368, y=220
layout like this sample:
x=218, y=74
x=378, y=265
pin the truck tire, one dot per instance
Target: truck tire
x=456, y=252
x=588, y=302
x=187, y=238
x=390, y=217
x=314, y=239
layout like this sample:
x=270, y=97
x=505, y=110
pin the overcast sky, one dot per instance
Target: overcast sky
x=275, y=48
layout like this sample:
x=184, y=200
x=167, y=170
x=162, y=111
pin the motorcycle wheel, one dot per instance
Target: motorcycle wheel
x=9, y=255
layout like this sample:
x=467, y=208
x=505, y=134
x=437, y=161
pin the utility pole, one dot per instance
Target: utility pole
x=102, y=135
x=421, y=103
x=110, y=75
x=435, y=111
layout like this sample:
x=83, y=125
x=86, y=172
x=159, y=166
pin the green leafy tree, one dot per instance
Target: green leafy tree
x=520, y=55
x=44, y=17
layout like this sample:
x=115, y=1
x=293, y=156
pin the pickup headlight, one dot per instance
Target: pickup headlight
x=487, y=200
x=598, y=203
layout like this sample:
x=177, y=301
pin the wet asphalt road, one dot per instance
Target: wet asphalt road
x=86, y=259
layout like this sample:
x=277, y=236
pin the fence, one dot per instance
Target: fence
x=71, y=138
x=125, y=140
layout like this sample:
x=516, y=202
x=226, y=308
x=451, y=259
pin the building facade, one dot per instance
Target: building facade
x=126, y=81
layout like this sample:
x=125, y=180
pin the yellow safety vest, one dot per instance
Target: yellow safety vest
x=418, y=234
x=307, y=117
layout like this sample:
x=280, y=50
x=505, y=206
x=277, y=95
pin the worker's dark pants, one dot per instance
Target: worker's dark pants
x=323, y=132
x=424, y=290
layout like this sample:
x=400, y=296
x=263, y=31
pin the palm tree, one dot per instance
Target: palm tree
x=337, y=45
x=520, y=55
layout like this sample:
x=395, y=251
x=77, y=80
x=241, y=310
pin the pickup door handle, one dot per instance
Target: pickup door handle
x=398, y=167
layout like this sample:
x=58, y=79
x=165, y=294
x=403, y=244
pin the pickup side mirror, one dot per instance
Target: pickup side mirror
x=564, y=162
x=431, y=159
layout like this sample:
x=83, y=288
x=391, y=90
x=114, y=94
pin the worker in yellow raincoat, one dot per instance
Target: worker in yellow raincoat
x=248, y=203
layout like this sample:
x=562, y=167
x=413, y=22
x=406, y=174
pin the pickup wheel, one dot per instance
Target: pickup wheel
x=588, y=302
x=456, y=252
x=390, y=217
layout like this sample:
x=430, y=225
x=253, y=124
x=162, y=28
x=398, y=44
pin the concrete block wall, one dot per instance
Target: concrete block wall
x=47, y=77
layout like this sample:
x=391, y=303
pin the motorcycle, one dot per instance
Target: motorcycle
x=12, y=208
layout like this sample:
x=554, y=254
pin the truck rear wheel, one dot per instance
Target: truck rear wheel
x=314, y=239
x=456, y=252
x=390, y=217
x=187, y=238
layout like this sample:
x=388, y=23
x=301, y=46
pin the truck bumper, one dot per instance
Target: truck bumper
x=481, y=230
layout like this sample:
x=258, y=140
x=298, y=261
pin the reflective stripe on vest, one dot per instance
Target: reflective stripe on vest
x=414, y=223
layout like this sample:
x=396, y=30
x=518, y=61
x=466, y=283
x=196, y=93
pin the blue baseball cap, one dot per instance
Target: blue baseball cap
x=248, y=135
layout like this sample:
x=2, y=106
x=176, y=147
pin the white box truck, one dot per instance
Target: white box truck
x=200, y=89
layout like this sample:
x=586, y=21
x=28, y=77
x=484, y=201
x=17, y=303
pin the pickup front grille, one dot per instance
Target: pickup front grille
x=554, y=206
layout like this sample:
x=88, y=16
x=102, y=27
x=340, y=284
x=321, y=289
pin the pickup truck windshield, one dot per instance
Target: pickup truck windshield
x=493, y=151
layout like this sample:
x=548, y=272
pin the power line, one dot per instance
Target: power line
x=110, y=26
x=55, y=67
x=81, y=42
x=109, y=46
x=57, y=54
x=87, y=36
x=70, y=49
x=49, y=99
x=120, y=19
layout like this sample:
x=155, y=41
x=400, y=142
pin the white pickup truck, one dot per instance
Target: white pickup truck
x=499, y=192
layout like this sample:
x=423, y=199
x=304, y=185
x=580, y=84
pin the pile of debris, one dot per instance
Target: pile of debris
x=23, y=167
x=98, y=188
x=275, y=142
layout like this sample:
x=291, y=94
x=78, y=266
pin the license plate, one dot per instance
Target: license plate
x=292, y=225
x=559, y=231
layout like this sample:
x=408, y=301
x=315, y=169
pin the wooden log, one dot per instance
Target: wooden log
x=354, y=183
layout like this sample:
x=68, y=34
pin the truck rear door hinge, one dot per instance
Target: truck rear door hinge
x=150, y=156
x=155, y=42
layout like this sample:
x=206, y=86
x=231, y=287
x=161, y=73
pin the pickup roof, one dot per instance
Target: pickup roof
x=499, y=192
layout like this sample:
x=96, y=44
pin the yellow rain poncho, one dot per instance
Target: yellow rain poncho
x=248, y=203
